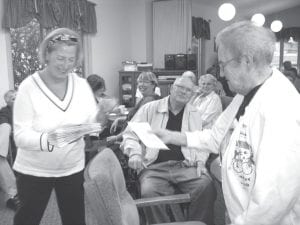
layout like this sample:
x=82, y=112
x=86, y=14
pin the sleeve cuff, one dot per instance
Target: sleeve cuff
x=44, y=142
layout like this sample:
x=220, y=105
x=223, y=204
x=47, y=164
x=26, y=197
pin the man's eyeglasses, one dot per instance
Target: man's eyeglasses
x=222, y=65
x=183, y=89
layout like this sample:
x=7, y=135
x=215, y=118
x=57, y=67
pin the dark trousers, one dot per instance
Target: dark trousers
x=34, y=193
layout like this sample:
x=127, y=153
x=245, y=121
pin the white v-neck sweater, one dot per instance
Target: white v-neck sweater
x=36, y=111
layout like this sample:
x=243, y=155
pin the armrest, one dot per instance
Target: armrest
x=170, y=199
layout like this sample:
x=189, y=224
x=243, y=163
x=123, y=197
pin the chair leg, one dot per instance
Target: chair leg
x=142, y=217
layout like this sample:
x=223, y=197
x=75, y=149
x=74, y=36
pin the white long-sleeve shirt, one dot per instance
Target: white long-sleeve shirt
x=261, y=164
x=37, y=111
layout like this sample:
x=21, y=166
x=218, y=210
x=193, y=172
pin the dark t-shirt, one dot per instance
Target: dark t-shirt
x=6, y=115
x=174, y=123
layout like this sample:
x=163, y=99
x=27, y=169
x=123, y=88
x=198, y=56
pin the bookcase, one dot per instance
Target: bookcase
x=127, y=87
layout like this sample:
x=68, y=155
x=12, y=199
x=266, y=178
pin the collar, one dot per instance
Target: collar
x=246, y=101
x=248, y=97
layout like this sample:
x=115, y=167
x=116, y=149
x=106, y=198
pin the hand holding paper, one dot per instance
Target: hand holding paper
x=149, y=139
x=66, y=134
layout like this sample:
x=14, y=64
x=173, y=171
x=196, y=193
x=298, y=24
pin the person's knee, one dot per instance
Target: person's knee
x=206, y=189
x=148, y=189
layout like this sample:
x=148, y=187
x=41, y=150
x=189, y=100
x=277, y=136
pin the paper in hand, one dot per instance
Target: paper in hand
x=149, y=139
x=67, y=134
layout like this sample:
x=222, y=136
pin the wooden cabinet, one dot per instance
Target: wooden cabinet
x=127, y=87
x=128, y=84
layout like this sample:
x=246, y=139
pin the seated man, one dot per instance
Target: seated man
x=7, y=177
x=178, y=170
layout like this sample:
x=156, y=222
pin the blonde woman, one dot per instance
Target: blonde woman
x=46, y=100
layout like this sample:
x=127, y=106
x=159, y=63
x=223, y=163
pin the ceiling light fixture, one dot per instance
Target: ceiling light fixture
x=226, y=11
x=258, y=19
x=276, y=25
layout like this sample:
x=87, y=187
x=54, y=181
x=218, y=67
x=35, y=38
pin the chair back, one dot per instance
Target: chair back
x=106, y=191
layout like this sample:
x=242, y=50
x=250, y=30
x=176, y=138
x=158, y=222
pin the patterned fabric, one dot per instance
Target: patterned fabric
x=51, y=13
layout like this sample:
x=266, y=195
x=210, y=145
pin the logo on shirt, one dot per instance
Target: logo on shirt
x=242, y=161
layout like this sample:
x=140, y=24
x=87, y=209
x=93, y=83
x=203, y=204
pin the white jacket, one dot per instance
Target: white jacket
x=261, y=165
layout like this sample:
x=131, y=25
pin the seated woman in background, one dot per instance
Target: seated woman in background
x=139, y=95
x=207, y=101
x=146, y=82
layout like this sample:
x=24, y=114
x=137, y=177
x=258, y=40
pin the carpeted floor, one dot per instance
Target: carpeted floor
x=51, y=215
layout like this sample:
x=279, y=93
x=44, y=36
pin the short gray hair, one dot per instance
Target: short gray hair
x=45, y=47
x=246, y=38
x=190, y=75
x=181, y=78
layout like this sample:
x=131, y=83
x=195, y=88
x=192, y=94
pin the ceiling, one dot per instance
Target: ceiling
x=249, y=7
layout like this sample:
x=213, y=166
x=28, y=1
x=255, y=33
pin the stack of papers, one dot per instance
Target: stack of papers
x=149, y=139
x=64, y=135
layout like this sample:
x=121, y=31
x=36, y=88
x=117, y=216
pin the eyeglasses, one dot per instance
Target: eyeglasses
x=64, y=37
x=222, y=65
x=144, y=82
x=183, y=89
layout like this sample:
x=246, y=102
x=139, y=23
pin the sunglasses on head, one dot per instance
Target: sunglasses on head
x=64, y=37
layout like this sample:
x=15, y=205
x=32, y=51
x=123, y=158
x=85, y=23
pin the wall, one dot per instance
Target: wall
x=6, y=80
x=289, y=17
x=209, y=12
x=124, y=33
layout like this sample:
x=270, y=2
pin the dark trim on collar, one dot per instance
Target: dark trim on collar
x=247, y=99
x=62, y=109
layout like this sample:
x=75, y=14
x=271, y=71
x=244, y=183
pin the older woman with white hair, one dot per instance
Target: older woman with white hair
x=207, y=101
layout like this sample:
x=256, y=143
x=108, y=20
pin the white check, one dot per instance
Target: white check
x=150, y=140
